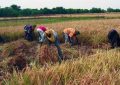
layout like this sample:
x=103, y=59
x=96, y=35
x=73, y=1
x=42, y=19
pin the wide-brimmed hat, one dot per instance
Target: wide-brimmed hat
x=50, y=35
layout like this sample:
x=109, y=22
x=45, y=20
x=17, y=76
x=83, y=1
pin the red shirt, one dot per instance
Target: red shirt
x=43, y=28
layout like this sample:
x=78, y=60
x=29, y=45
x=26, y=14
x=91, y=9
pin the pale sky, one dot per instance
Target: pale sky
x=64, y=3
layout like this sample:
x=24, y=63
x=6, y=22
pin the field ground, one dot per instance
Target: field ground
x=43, y=20
x=107, y=15
x=90, y=63
x=17, y=21
x=90, y=29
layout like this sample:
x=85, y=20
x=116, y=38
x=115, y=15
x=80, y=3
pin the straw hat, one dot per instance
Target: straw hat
x=50, y=35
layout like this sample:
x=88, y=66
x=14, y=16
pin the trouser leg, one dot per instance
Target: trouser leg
x=1, y=40
x=113, y=43
x=30, y=37
x=71, y=41
x=77, y=42
x=57, y=44
x=66, y=37
x=39, y=37
x=26, y=34
x=60, y=55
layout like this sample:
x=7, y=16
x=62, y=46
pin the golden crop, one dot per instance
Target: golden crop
x=91, y=63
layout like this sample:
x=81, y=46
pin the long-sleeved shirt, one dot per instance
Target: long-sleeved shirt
x=69, y=31
x=41, y=30
x=28, y=28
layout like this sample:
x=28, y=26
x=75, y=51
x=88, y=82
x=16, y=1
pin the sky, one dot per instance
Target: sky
x=85, y=4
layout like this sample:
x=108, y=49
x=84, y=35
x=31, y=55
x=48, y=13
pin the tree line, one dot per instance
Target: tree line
x=16, y=11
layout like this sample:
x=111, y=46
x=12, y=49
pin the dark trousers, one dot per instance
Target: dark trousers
x=57, y=44
x=1, y=40
x=29, y=36
x=71, y=40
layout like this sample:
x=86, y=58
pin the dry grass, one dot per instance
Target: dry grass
x=85, y=65
x=11, y=33
x=87, y=25
x=94, y=31
x=102, y=68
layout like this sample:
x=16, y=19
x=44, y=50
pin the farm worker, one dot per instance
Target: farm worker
x=70, y=34
x=113, y=38
x=1, y=40
x=52, y=37
x=41, y=33
x=29, y=32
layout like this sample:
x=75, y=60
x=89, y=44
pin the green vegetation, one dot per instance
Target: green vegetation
x=15, y=11
x=4, y=23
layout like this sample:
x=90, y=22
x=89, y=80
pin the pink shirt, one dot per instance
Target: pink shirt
x=43, y=28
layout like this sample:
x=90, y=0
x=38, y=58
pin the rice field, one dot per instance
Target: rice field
x=95, y=30
x=90, y=63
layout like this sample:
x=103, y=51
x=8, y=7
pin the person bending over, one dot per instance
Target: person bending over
x=41, y=34
x=70, y=35
x=52, y=37
x=29, y=32
x=113, y=38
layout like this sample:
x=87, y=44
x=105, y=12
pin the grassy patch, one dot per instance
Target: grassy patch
x=4, y=23
x=85, y=65
x=102, y=68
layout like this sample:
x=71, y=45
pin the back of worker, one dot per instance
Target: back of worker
x=52, y=37
x=69, y=31
x=114, y=39
x=1, y=40
x=41, y=33
x=70, y=35
x=29, y=32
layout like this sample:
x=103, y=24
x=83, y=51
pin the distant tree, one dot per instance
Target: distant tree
x=97, y=10
x=15, y=11
x=86, y=11
x=34, y=12
x=45, y=11
x=70, y=11
x=113, y=10
x=110, y=10
x=26, y=12
x=15, y=7
x=59, y=10
x=8, y=12
x=117, y=10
